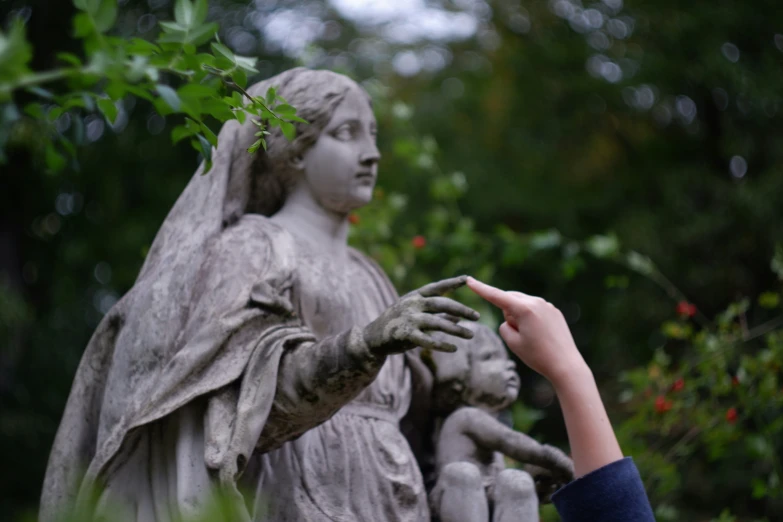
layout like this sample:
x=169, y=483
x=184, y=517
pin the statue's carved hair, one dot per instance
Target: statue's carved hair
x=315, y=94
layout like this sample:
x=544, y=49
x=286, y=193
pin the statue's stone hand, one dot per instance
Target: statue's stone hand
x=555, y=470
x=560, y=465
x=407, y=322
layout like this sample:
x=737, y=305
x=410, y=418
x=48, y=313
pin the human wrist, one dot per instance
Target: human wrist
x=574, y=377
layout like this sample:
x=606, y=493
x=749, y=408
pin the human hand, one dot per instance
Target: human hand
x=535, y=331
x=406, y=323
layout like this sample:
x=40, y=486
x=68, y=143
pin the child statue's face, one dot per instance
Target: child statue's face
x=341, y=168
x=493, y=382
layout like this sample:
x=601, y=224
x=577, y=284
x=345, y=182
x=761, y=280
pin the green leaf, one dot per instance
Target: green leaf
x=138, y=46
x=202, y=146
x=69, y=58
x=35, y=110
x=183, y=13
x=289, y=131
x=247, y=64
x=200, y=11
x=108, y=109
x=271, y=93
x=769, y=300
x=169, y=95
x=202, y=34
x=240, y=78
x=285, y=110
x=105, y=16
x=54, y=160
x=54, y=113
x=82, y=25
x=181, y=132
x=223, y=51
x=196, y=90
x=209, y=135
x=15, y=52
x=172, y=27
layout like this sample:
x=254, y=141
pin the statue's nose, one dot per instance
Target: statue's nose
x=370, y=158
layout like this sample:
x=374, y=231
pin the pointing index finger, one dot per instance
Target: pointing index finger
x=496, y=296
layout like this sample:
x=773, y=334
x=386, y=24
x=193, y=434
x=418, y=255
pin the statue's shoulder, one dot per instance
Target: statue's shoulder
x=256, y=237
x=366, y=261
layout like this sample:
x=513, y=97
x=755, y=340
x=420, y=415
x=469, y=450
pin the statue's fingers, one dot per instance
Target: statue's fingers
x=434, y=322
x=449, y=317
x=419, y=338
x=444, y=305
x=443, y=287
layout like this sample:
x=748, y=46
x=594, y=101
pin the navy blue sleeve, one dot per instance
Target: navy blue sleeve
x=613, y=493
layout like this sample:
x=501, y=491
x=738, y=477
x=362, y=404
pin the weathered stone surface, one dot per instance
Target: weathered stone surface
x=256, y=345
x=470, y=387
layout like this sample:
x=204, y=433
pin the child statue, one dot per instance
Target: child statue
x=472, y=484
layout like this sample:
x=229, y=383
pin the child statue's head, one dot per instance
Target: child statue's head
x=478, y=374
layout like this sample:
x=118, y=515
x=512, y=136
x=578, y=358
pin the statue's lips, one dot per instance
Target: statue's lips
x=365, y=175
x=513, y=380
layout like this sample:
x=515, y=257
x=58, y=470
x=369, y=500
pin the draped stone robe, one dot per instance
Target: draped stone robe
x=356, y=466
x=269, y=345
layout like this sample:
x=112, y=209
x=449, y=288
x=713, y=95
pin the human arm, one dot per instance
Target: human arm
x=537, y=332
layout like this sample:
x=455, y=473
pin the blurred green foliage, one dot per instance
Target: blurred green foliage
x=624, y=161
x=113, y=68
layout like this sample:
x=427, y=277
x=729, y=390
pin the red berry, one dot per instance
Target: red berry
x=731, y=415
x=678, y=385
x=353, y=219
x=686, y=309
x=662, y=405
x=419, y=242
x=735, y=381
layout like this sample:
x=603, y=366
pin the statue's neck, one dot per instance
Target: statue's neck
x=307, y=219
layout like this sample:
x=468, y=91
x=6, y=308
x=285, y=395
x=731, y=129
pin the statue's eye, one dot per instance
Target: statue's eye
x=343, y=132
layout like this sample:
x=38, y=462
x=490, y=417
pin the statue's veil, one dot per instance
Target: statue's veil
x=238, y=181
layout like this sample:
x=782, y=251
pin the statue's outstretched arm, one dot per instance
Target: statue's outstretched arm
x=487, y=432
x=316, y=379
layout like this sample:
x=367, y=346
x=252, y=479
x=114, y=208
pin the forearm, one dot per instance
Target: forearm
x=315, y=380
x=590, y=434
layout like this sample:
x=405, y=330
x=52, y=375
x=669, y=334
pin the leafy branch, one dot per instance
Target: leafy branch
x=169, y=72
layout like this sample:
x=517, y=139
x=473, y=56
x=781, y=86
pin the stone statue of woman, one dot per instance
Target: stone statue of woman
x=250, y=323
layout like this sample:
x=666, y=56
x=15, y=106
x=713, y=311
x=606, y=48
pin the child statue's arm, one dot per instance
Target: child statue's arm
x=487, y=432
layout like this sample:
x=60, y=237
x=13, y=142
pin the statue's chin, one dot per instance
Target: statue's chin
x=350, y=203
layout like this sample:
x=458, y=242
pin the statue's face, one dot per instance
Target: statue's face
x=341, y=168
x=493, y=381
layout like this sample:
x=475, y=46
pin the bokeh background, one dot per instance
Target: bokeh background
x=623, y=159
